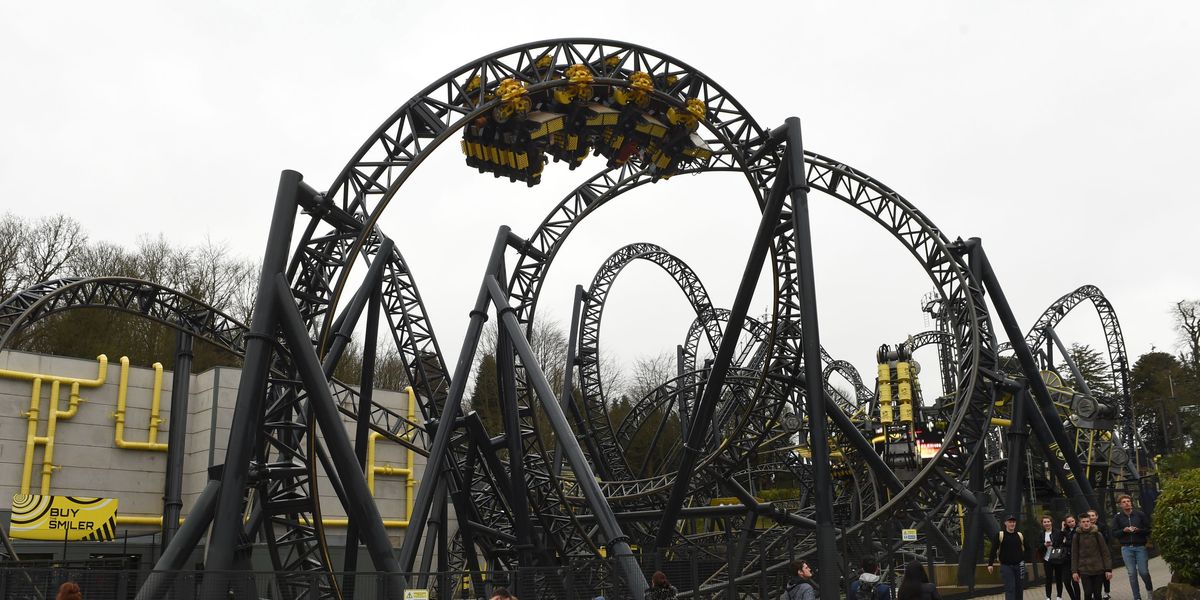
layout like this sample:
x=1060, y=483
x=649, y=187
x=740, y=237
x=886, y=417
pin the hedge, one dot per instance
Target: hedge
x=1177, y=525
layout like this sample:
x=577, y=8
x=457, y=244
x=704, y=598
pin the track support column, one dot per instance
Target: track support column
x=177, y=437
x=829, y=561
x=1043, y=412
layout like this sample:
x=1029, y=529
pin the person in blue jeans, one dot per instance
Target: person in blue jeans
x=1132, y=528
x=1009, y=547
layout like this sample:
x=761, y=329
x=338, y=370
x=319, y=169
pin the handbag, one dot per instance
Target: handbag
x=1055, y=555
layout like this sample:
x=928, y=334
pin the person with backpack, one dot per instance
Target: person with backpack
x=1091, y=562
x=869, y=586
x=801, y=585
x=916, y=585
x=660, y=588
x=1009, y=546
x=1066, y=535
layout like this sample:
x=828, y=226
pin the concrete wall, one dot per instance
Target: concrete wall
x=92, y=465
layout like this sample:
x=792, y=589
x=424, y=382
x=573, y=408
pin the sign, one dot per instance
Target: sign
x=416, y=594
x=58, y=518
x=908, y=535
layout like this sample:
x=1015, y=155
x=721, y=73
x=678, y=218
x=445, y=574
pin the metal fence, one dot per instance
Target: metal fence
x=583, y=580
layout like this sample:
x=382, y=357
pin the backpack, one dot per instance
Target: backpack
x=792, y=592
x=866, y=590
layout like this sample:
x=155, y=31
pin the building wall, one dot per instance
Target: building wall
x=90, y=463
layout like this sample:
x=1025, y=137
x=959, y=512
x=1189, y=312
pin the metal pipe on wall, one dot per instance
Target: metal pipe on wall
x=176, y=437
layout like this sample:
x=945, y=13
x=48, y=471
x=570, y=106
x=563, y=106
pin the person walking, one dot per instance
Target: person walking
x=660, y=588
x=1132, y=528
x=1009, y=546
x=1103, y=527
x=916, y=585
x=1091, y=562
x=1052, y=553
x=801, y=585
x=869, y=586
x=1065, y=536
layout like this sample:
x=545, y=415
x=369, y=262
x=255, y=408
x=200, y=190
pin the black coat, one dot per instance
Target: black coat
x=1137, y=519
x=1062, y=539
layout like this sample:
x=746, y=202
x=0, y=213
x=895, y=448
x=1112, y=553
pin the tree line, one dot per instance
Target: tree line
x=1164, y=386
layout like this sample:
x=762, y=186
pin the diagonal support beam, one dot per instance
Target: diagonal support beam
x=359, y=503
x=615, y=538
x=1059, y=445
x=438, y=450
x=702, y=416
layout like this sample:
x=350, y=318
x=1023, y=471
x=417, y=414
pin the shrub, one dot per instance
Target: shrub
x=1176, y=523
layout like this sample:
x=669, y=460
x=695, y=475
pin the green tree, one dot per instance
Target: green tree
x=1164, y=401
x=485, y=398
x=1093, y=367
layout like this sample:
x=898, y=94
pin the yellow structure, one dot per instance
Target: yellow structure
x=55, y=413
x=33, y=440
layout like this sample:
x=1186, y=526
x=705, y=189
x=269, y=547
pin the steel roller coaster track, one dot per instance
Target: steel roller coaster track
x=514, y=508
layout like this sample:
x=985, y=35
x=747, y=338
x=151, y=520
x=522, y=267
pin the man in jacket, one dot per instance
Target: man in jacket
x=1091, y=563
x=1132, y=528
x=801, y=585
x=1009, y=545
x=869, y=586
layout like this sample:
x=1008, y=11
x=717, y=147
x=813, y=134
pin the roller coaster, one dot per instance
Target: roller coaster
x=866, y=465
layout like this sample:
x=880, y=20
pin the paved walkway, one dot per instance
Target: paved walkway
x=1160, y=574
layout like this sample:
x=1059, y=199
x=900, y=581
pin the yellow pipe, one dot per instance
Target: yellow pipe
x=406, y=471
x=32, y=439
x=31, y=435
x=1002, y=422
x=156, y=521
x=87, y=383
x=155, y=401
x=51, y=426
x=410, y=483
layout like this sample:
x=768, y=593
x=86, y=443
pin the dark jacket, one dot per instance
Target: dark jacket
x=1137, y=519
x=1063, y=538
x=1089, y=553
x=661, y=593
x=799, y=588
x=928, y=591
x=1011, y=549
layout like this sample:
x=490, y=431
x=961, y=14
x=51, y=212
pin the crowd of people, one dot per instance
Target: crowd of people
x=1076, y=555
x=1073, y=551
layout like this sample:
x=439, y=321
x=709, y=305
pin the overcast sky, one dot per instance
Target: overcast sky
x=1062, y=133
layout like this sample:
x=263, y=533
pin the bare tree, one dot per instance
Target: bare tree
x=38, y=250
x=648, y=373
x=13, y=231
x=1187, y=323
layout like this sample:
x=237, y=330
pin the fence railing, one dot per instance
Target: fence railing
x=585, y=580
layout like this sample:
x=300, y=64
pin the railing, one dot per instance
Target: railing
x=582, y=580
